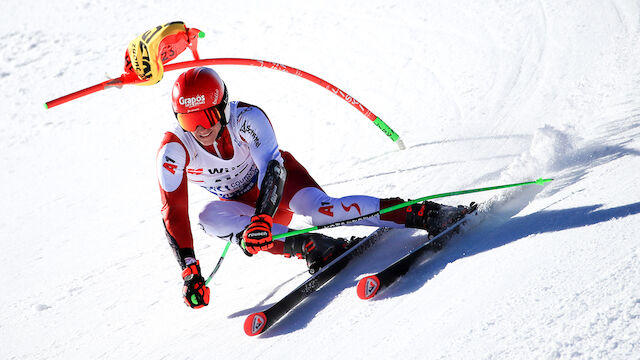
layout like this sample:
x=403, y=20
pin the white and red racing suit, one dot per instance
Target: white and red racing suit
x=232, y=170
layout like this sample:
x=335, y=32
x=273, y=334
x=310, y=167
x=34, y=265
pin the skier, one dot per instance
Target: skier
x=230, y=149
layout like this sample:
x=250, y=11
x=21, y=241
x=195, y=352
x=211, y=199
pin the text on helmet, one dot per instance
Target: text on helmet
x=191, y=101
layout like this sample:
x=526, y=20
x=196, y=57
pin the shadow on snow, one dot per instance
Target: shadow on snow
x=487, y=237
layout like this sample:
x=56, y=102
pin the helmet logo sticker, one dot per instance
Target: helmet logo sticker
x=215, y=97
x=191, y=101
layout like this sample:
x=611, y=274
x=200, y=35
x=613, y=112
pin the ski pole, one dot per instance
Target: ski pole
x=224, y=253
x=540, y=181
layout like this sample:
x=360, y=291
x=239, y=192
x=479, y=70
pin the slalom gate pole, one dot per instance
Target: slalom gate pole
x=215, y=270
x=128, y=79
x=386, y=129
x=117, y=82
x=540, y=181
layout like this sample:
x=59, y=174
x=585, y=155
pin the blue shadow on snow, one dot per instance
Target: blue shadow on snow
x=486, y=237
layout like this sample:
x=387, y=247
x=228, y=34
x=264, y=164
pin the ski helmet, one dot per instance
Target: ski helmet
x=199, y=97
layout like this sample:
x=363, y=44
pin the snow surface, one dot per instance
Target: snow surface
x=482, y=93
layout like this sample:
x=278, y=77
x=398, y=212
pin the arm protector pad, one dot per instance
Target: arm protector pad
x=271, y=189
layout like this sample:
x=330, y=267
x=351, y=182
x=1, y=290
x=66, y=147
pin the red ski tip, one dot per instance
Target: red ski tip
x=254, y=324
x=368, y=287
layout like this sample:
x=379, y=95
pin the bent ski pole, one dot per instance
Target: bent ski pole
x=386, y=129
x=215, y=270
x=540, y=181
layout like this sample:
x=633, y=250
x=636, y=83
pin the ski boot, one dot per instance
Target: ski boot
x=434, y=217
x=317, y=249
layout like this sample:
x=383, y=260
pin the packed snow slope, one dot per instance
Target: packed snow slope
x=482, y=93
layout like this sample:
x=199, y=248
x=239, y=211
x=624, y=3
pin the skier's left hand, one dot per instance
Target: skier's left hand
x=257, y=236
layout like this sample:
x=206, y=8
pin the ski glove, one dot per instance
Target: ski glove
x=195, y=292
x=257, y=235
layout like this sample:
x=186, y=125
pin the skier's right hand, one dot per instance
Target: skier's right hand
x=195, y=291
x=257, y=236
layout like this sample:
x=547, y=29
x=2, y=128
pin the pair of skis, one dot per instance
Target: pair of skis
x=368, y=287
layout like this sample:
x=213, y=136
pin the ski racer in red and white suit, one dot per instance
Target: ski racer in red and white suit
x=230, y=149
x=232, y=170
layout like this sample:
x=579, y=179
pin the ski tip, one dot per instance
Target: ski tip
x=255, y=323
x=368, y=287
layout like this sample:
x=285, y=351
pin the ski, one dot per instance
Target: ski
x=259, y=322
x=371, y=285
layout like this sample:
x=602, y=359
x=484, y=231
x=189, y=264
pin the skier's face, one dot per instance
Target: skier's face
x=206, y=137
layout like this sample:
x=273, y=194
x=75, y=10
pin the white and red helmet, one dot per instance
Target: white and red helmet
x=199, y=97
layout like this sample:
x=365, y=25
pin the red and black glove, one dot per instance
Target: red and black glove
x=257, y=235
x=195, y=291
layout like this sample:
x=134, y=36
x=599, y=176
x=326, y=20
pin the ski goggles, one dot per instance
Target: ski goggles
x=205, y=118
